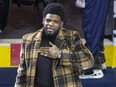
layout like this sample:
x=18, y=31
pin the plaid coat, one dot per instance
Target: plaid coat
x=75, y=58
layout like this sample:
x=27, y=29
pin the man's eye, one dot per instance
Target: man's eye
x=56, y=21
x=48, y=20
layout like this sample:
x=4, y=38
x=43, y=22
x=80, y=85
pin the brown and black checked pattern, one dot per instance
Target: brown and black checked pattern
x=74, y=58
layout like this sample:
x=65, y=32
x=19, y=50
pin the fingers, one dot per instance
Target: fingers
x=44, y=54
x=50, y=52
x=51, y=44
x=44, y=50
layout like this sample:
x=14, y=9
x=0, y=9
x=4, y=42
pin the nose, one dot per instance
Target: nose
x=51, y=23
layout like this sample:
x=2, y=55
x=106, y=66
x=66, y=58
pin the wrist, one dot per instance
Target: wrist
x=59, y=54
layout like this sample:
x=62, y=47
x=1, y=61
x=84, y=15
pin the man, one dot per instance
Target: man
x=52, y=56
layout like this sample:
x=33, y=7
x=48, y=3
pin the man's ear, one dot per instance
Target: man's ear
x=62, y=23
x=43, y=21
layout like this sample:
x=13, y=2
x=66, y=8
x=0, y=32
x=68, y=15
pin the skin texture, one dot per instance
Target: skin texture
x=52, y=24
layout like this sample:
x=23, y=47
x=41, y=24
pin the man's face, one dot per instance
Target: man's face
x=52, y=24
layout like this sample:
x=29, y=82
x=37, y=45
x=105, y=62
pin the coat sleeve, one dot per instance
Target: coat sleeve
x=76, y=54
x=21, y=71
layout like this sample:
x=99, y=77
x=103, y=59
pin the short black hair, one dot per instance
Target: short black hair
x=55, y=8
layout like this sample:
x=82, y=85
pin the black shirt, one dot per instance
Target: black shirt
x=44, y=76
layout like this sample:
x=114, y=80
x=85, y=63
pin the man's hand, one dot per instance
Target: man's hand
x=51, y=52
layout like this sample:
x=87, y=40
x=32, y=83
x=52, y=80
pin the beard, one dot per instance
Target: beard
x=51, y=33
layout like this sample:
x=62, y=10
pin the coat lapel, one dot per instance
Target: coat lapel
x=60, y=39
x=60, y=43
x=33, y=59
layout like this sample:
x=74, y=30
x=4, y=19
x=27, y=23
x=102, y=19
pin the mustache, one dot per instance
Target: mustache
x=49, y=27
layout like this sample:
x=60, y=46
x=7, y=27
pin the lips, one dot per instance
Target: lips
x=50, y=29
